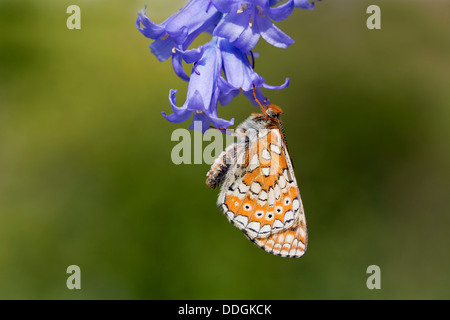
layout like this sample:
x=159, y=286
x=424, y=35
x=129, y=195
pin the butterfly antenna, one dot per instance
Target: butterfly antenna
x=256, y=99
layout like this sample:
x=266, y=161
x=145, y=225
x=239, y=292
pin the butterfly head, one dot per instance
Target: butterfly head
x=273, y=111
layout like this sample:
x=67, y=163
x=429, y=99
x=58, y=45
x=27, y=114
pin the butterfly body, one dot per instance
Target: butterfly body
x=259, y=193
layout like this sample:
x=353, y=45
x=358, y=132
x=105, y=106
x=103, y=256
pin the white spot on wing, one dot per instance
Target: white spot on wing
x=254, y=163
x=241, y=221
x=277, y=191
x=243, y=188
x=271, y=199
x=255, y=187
x=266, y=154
x=263, y=195
x=265, y=171
x=253, y=228
x=261, y=203
x=287, y=175
x=238, y=194
x=277, y=135
x=295, y=204
x=275, y=149
x=277, y=224
x=288, y=217
x=289, y=238
x=262, y=133
x=282, y=182
x=265, y=230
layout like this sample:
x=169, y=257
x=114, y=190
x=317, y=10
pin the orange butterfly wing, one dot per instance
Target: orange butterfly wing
x=262, y=198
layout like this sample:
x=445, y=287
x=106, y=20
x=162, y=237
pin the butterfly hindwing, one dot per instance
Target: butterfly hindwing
x=288, y=243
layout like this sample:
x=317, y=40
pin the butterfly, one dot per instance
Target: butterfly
x=259, y=192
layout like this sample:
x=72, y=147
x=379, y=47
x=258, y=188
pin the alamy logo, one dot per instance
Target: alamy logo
x=74, y=20
x=374, y=20
x=374, y=280
x=190, y=149
x=74, y=280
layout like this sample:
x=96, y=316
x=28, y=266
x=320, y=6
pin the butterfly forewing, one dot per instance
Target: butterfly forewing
x=260, y=195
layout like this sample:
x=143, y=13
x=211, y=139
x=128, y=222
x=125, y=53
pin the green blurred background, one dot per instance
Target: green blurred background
x=86, y=176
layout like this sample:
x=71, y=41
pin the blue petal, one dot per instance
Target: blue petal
x=273, y=35
x=282, y=12
x=226, y=98
x=211, y=112
x=205, y=73
x=225, y=6
x=254, y=79
x=248, y=39
x=178, y=36
x=259, y=95
x=162, y=49
x=195, y=102
x=197, y=16
x=224, y=86
x=193, y=55
x=237, y=68
x=212, y=108
x=203, y=90
x=284, y=85
x=232, y=25
x=233, y=65
x=200, y=122
x=180, y=114
x=150, y=30
x=180, y=29
x=177, y=65
x=221, y=123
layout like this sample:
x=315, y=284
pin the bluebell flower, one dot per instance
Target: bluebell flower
x=240, y=74
x=179, y=30
x=203, y=90
x=246, y=21
x=221, y=68
x=207, y=86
